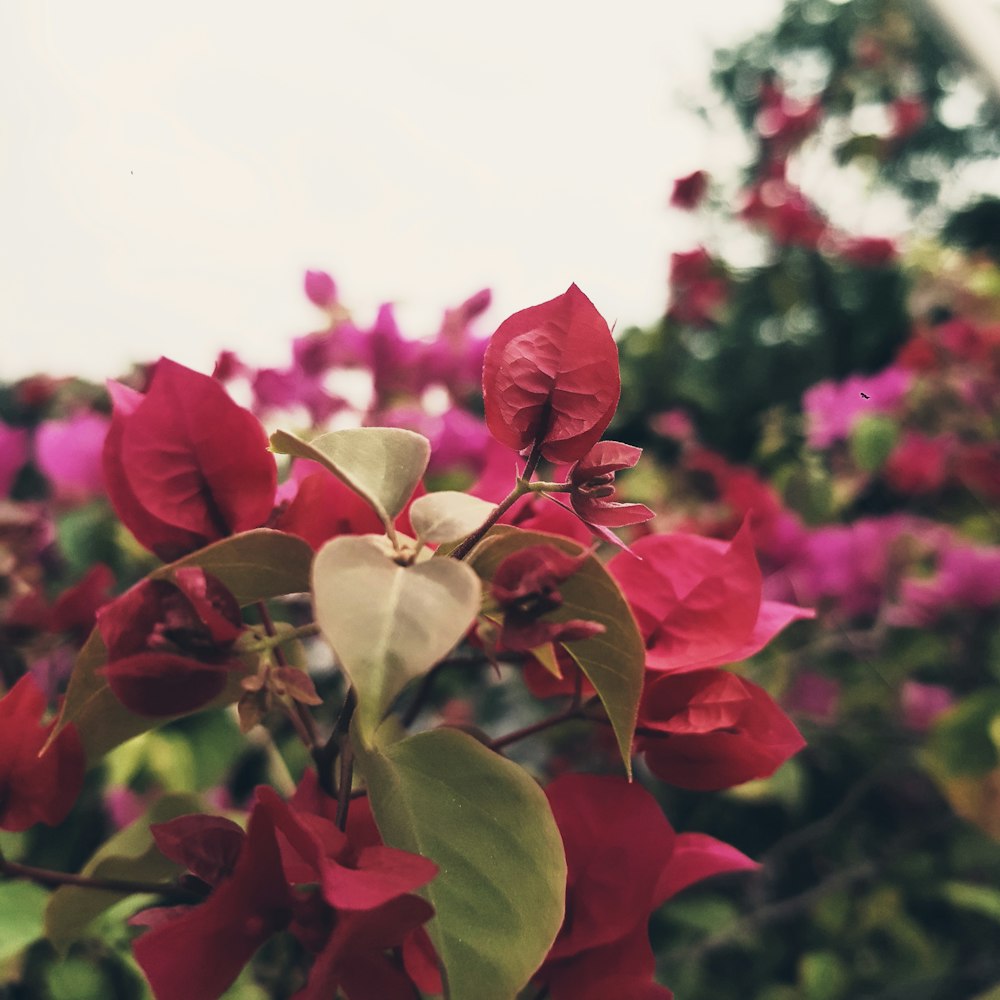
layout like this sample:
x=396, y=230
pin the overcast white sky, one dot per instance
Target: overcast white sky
x=168, y=171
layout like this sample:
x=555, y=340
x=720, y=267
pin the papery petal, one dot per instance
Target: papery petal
x=160, y=684
x=550, y=373
x=194, y=459
x=698, y=856
x=207, y=846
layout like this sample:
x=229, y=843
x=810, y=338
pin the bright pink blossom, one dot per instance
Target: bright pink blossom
x=320, y=289
x=69, y=452
x=831, y=408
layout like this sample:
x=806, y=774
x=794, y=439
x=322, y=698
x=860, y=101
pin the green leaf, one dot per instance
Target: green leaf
x=614, y=661
x=388, y=623
x=448, y=515
x=129, y=854
x=500, y=890
x=969, y=896
x=22, y=916
x=381, y=464
x=872, y=439
x=255, y=565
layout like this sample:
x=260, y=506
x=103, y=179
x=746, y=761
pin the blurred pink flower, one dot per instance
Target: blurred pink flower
x=69, y=454
x=831, y=408
x=815, y=696
x=923, y=703
x=967, y=576
x=320, y=288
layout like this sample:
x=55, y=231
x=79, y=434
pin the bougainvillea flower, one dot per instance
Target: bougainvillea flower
x=593, y=481
x=831, y=408
x=285, y=388
x=35, y=787
x=196, y=953
x=525, y=586
x=624, y=860
x=183, y=464
x=550, y=376
x=698, y=290
x=698, y=601
x=320, y=289
x=908, y=115
x=689, y=190
x=919, y=464
x=170, y=642
x=718, y=730
x=207, y=846
x=69, y=451
x=72, y=614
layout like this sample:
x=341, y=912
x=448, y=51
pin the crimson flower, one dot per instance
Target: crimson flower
x=525, y=586
x=183, y=464
x=689, y=190
x=698, y=601
x=170, y=642
x=550, y=377
x=593, y=482
x=346, y=901
x=624, y=860
x=35, y=786
x=711, y=729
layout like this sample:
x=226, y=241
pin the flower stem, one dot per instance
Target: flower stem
x=54, y=879
x=573, y=712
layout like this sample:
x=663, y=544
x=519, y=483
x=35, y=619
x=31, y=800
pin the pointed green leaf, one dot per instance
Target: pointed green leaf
x=614, y=661
x=383, y=465
x=388, y=623
x=254, y=565
x=448, y=516
x=500, y=890
x=129, y=854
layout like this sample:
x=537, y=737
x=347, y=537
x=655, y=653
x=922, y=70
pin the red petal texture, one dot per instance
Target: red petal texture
x=207, y=846
x=160, y=684
x=719, y=730
x=550, y=374
x=698, y=600
x=593, y=478
x=698, y=856
x=198, y=955
x=617, y=844
x=35, y=789
x=185, y=465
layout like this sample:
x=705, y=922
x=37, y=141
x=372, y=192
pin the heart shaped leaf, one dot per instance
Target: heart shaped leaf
x=383, y=465
x=447, y=516
x=388, y=623
x=500, y=890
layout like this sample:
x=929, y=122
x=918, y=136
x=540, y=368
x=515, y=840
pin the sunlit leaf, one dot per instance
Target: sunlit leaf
x=381, y=464
x=22, y=916
x=499, y=893
x=448, y=515
x=388, y=623
x=614, y=661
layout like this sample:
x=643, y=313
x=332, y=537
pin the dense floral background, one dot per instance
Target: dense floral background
x=821, y=394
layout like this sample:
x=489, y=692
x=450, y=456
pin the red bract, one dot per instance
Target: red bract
x=593, y=481
x=35, y=787
x=184, y=465
x=525, y=586
x=718, y=730
x=170, y=642
x=550, y=376
x=698, y=600
x=624, y=861
x=689, y=190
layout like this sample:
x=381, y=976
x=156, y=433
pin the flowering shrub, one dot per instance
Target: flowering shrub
x=411, y=854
